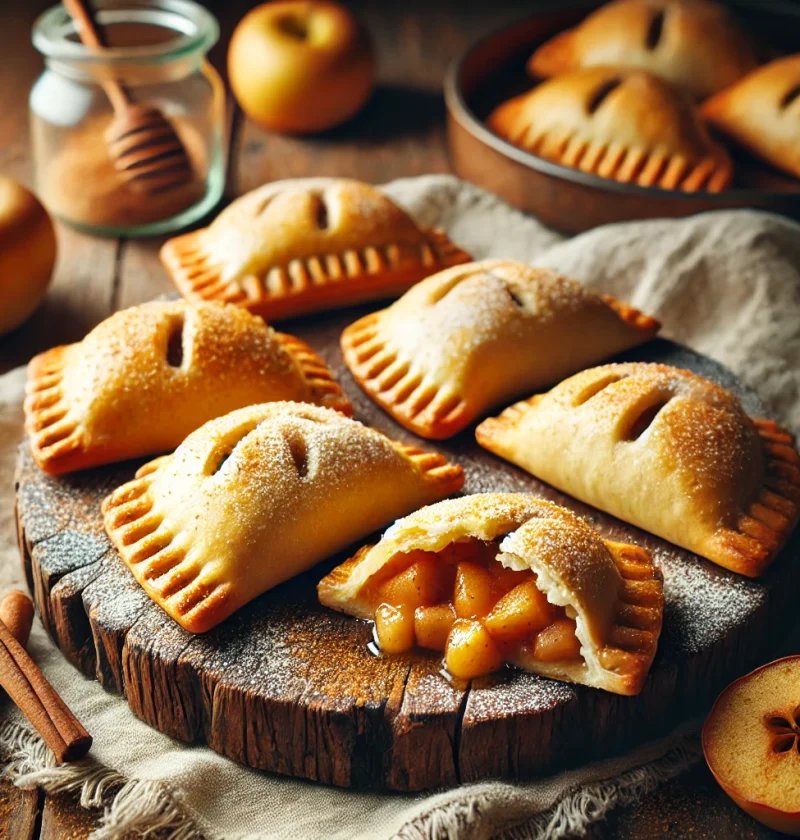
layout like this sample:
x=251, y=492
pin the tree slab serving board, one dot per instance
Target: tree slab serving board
x=288, y=686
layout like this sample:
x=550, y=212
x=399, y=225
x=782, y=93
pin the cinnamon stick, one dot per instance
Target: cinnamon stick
x=16, y=612
x=39, y=702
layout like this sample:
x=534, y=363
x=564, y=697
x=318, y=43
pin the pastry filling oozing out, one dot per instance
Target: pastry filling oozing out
x=463, y=602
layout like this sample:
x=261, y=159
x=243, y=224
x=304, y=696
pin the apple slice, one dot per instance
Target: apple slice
x=751, y=741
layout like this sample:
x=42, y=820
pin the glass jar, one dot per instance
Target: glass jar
x=157, y=51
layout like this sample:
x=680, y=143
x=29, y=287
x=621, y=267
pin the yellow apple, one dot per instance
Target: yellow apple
x=751, y=741
x=300, y=67
x=27, y=253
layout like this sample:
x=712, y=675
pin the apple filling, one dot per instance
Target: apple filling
x=463, y=602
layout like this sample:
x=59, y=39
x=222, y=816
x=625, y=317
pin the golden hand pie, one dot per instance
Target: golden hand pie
x=506, y=577
x=762, y=113
x=255, y=497
x=616, y=123
x=477, y=335
x=693, y=44
x=666, y=450
x=144, y=378
x=298, y=246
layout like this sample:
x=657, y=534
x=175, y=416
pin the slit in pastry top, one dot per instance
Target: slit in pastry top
x=695, y=45
x=258, y=496
x=480, y=334
x=147, y=376
x=617, y=123
x=304, y=245
x=663, y=449
x=508, y=578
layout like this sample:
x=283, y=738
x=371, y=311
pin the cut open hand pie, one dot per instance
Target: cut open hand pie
x=693, y=44
x=255, y=497
x=666, y=450
x=148, y=376
x=616, y=123
x=477, y=335
x=506, y=577
x=762, y=113
x=298, y=246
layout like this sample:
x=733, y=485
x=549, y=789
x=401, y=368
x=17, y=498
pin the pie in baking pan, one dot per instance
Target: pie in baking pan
x=762, y=113
x=147, y=376
x=693, y=44
x=255, y=497
x=617, y=123
x=508, y=578
x=304, y=245
x=663, y=449
x=478, y=335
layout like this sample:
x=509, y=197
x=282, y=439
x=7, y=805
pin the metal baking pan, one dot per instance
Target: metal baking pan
x=493, y=70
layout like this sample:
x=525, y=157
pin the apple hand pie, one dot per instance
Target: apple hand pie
x=477, y=335
x=616, y=123
x=298, y=246
x=693, y=44
x=666, y=450
x=147, y=376
x=255, y=497
x=762, y=113
x=506, y=577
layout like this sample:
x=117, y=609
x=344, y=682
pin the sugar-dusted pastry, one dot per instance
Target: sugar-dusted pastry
x=693, y=44
x=478, y=335
x=255, y=497
x=666, y=450
x=298, y=246
x=616, y=123
x=507, y=577
x=144, y=378
x=762, y=113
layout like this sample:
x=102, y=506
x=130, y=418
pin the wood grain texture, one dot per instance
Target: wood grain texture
x=288, y=686
x=20, y=811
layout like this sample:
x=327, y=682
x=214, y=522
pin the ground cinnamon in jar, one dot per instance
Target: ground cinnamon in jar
x=80, y=185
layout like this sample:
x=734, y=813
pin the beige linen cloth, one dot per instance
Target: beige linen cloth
x=727, y=284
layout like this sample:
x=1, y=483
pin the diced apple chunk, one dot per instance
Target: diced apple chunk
x=522, y=611
x=475, y=594
x=420, y=585
x=471, y=651
x=506, y=579
x=557, y=642
x=432, y=625
x=394, y=627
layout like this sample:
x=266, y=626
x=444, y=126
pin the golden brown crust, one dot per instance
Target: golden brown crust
x=616, y=123
x=474, y=336
x=258, y=496
x=147, y=376
x=304, y=245
x=692, y=44
x=684, y=460
x=613, y=590
x=762, y=113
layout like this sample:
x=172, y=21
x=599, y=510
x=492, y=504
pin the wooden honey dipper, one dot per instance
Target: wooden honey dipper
x=142, y=142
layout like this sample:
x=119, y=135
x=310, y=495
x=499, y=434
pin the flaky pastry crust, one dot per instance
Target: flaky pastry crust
x=693, y=44
x=477, y=335
x=616, y=123
x=666, y=450
x=762, y=113
x=147, y=376
x=613, y=591
x=304, y=245
x=255, y=497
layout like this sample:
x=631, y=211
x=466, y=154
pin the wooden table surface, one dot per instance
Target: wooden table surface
x=400, y=133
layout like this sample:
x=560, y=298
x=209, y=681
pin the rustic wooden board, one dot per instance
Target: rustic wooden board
x=288, y=686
